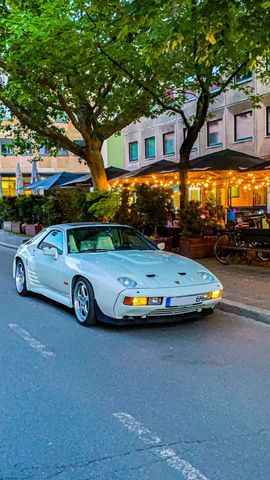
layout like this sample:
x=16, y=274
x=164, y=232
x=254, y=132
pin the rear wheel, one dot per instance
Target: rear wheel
x=20, y=278
x=84, y=304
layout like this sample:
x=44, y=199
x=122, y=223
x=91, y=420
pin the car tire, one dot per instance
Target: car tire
x=20, y=278
x=84, y=303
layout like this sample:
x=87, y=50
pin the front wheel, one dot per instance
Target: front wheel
x=20, y=278
x=84, y=304
x=221, y=253
x=263, y=256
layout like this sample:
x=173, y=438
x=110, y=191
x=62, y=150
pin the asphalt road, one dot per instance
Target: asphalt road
x=188, y=401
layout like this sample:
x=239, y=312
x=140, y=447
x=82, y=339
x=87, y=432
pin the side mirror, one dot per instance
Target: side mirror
x=51, y=252
x=161, y=246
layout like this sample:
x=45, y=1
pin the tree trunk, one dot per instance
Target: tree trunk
x=183, y=180
x=95, y=162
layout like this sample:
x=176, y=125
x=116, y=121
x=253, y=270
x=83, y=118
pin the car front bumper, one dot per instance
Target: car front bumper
x=126, y=312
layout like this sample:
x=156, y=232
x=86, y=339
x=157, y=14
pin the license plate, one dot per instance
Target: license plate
x=178, y=301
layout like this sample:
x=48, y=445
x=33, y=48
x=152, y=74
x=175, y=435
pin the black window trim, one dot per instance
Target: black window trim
x=218, y=144
x=163, y=138
x=267, y=126
x=244, y=138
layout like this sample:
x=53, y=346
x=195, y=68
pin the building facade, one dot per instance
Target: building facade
x=233, y=124
x=113, y=154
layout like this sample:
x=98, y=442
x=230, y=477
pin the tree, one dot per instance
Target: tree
x=50, y=67
x=192, y=48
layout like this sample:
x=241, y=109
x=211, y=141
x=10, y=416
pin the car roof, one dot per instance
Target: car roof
x=67, y=226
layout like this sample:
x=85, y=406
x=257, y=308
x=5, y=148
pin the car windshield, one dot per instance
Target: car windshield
x=106, y=239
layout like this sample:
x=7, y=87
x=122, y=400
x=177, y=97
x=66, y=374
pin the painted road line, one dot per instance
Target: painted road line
x=31, y=341
x=184, y=468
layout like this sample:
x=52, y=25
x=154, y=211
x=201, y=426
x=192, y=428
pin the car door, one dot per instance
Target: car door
x=50, y=270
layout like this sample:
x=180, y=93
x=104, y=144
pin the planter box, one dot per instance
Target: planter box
x=32, y=229
x=16, y=227
x=199, y=247
x=7, y=226
x=166, y=240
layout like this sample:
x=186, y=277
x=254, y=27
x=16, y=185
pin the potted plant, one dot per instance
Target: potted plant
x=26, y=213
x=199, y=227
x=9, y=212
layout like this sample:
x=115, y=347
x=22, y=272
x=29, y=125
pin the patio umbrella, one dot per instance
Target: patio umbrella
x=19, y=179
x=34, y=175
x=53, y=181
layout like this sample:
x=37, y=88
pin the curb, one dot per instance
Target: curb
x=258, y=314
x=8, y=245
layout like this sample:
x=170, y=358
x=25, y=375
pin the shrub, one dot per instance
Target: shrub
x=200, y=221
x=153, y=205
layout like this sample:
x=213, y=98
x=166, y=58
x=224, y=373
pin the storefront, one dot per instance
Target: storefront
x=8, y=184
x=232, y=178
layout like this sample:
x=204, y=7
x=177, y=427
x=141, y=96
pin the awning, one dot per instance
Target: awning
x=264, y=167
x=53, y=181
x=111, y=172
x=162, y=166
x=225, y=160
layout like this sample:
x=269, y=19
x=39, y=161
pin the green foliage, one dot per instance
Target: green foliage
x=51, y=55
x=199, y=221
x=8, y=209
x=152, y=204
x=25, y=207
x=63, y=206
x=110, y=206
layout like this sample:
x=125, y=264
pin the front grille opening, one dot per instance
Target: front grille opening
x=181, y=273
x=151, y=275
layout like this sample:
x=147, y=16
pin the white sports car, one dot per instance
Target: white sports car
x=112, y=273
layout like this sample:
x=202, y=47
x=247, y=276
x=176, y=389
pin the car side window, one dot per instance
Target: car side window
x=53, y=239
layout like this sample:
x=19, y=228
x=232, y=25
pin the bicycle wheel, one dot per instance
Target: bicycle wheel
x=221, y=252
x=263, y=256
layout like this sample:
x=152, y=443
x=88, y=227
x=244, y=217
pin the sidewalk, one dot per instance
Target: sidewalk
x=246, y=287
x=11, y=240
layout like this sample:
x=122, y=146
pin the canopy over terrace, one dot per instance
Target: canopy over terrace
x=54, y=181
x=225, y=174
x=111, y=172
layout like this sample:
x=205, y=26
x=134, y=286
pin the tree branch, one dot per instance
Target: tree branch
x=228, y=81
x=51, y=133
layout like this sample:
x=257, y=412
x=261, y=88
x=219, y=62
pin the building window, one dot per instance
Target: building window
x=8, y=186
x=194, y=148
x=168, y=143
x=214, y=133
x=43, y=151
x=243, y=77
x=61, y=118
x=62, y=152
x=243, y=127
x=133, y=151
x=6, y=146
x=150, y=147
x=268, y=121
x=5, y=113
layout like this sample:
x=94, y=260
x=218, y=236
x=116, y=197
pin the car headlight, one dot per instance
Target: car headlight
x=127, y=282
x=206, y=276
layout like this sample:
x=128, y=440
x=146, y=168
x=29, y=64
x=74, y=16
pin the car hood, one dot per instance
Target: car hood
x=149, y=269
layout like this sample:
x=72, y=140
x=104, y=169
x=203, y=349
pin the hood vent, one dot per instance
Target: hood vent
x=181, y=273
x=151, y=275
